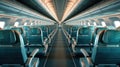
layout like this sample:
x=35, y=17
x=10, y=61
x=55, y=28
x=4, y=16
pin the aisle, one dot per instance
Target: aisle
x=60, y=55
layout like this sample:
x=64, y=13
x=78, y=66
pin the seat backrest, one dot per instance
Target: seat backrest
x=69, y=31
x=74, y=32
x=18, y=29
x=22, y=32
x=106, y=49
x=99, y=29
x=49, y=29
x=45, y=31
x=96, y=31
x=12, y=50
x=84, y=35
x=26, y=29
x=36, y=36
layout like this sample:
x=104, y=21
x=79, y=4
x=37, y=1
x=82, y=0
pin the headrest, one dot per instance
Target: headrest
x=111, y=37
x=26, y=28
x=100, y=29
x=91, y=27
x=74, y=28
x=20, y=30
x=35, y=31
x=7, y=37
x=83, y=31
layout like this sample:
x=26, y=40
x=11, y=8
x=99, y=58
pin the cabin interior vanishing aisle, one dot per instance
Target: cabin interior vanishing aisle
x=60, y=55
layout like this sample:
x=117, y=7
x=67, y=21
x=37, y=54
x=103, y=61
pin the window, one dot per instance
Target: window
x=117, y=23
x=95, y=24
x=31, y=24
x=2, y=24
x=84, y=23
x=16, y=24
x=25, y=23
x=88, y=24
x=103, y=24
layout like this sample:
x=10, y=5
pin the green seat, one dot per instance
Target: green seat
x=12, y=51
x=106, y=49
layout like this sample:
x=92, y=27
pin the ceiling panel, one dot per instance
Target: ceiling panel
x=60, y=6
x=85, y=4
x=36, y=6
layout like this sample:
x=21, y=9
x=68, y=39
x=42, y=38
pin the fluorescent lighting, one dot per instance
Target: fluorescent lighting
x=48, y=5
x=70, y=7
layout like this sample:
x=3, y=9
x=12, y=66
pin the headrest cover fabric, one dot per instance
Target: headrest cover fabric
x=111, y=37
x=84, y=31
x=100, y=29
x=20, y=30
x=35, y=31
x=26, y=28
x=7, y=37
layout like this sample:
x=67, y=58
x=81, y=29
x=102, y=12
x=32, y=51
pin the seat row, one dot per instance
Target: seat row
x=20, y=45
x=96, y=46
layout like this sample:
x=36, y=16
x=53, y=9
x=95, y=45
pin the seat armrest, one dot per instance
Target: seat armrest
x=35, y=51
x=87, y=57
x=27, y=44
x=36, y=63
x=30, y=58
x=69, y=36
x=82, y=62
x=45, y=41
x=86, y=62
x=74, y=41
x=84, y=52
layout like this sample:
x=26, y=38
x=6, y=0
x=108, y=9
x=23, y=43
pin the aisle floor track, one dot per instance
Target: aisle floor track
x=60, y=55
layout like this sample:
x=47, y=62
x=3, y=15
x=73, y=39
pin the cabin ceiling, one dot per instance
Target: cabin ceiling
x=59, y=6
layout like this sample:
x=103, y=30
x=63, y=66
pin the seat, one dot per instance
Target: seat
x=12, y=51
x=35, y=40
x=50, y=35
x=45, y=31
x=73, y=34
x=83, y=40
x=105, y=52
x=96, y=31
x=22, y=32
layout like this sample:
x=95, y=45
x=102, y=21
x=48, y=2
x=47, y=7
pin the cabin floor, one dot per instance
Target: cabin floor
x=60, y=54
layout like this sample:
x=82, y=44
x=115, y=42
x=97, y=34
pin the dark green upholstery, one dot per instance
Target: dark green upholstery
x=114, y=39
x=12, y=50
x=45, y=31
x=100, y=29
x=74, y=32
x=36, y=36
x=83, y=40
x=22, y=32
x=83, y=36
x=35, y=31
x=9, y=39
x=26, y=30
x=18, y=29
x=106, y=49
x=12, y=53
x=35, y=40
x=97, y=30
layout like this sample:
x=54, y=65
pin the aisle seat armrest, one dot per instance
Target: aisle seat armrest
x=74, y=41
x=31, y=57
x=86, y=56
